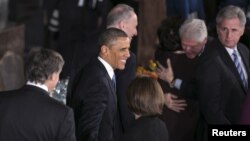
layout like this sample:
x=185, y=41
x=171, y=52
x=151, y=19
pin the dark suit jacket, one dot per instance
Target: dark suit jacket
x=123, y=79
x=94, y=103
x=29, y=114
x=147, y=129
x=245, y=118
x=219, y=87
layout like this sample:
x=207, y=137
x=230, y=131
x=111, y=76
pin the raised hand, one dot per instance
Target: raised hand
x=165, y=74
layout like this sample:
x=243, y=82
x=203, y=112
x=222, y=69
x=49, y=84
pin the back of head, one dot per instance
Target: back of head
x=193, y=29
x=168, y=35
x=145, y=96
x=230, y=12
x=41, y=63
x=109, y=36
x=119, y=13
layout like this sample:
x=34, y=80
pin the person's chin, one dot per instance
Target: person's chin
x=121, y=67
x=190, y=56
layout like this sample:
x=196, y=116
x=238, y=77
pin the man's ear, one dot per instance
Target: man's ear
x=121, y=24
x=104, y=49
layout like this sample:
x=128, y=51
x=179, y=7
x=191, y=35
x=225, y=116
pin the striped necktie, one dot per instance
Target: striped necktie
x=239, y=68
x=114, y=81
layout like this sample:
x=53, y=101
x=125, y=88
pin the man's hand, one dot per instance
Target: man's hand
x=173, y=103
x=165, y=74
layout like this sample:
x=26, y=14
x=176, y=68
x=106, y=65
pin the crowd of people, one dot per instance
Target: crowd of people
x=202, y=81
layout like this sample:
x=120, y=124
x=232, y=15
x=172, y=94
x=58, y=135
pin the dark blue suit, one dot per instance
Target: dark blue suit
x=29, y=114
x=123, y=79
x=94, y=103
x=245, y=119
x=219, y=87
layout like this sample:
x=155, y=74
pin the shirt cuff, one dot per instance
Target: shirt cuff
x=177, y=83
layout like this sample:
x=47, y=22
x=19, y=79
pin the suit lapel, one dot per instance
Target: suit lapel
x=229, y=63
x=111, y=86
x=245, y=58
x=110, y=83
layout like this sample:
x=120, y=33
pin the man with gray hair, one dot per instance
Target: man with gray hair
x=193, y=34
x=29, y=113
x=194, y=42
x=220, y=72
x=223, y=75
x=123, y=16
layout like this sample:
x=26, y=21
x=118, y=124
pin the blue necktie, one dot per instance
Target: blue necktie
x=114, y=81
x=239, y=68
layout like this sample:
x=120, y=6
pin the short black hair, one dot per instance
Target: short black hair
x=109, y=35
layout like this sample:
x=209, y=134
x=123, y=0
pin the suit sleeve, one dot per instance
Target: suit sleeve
x=124, y=78
x=91, y=110
x=209, y=92
x=67, y=128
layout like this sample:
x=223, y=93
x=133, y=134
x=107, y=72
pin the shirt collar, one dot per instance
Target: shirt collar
x=42, y=86
x=108, y=67
x=231, y=50
x=202, y=50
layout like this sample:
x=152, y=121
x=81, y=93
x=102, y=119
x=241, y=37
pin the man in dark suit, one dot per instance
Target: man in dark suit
x=194, y=40
x=94, y=93
x=221, y=88
x=218, y=85
x=29, y=113
x=245, y=118
x=222, y=76
x=123, y=17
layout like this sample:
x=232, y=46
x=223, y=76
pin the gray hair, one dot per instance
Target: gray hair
x=119, y=13
x=41, y=63
x=193, y=29
x=230, y=12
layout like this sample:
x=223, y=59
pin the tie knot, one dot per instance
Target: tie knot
x=234, y=53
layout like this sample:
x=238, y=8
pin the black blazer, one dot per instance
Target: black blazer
x=94, y=103
x=147, y=129
x=219, y=87
x=29, y=114
x=123, y=79
x=245, y=118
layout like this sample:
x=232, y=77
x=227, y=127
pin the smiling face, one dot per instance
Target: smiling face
x=118, y=53
x=229, y=32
